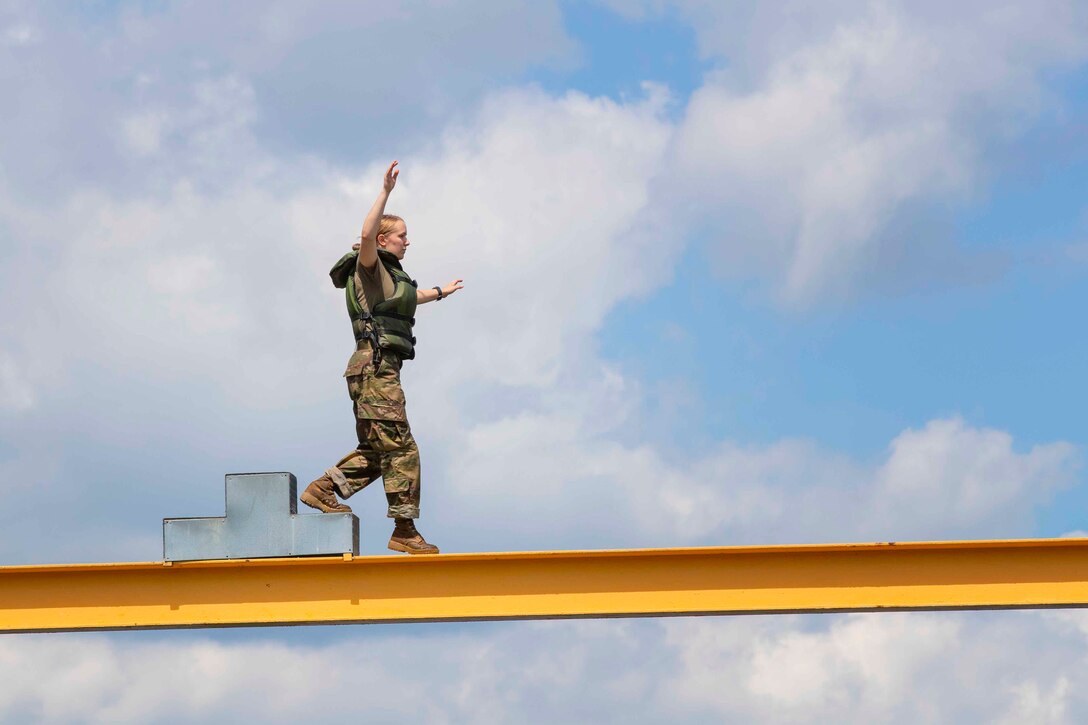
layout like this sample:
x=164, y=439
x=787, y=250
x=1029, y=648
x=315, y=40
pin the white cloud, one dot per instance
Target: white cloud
x=815, y=158
x=20, y=34
x=861, y=664
x=1033, y=705
x=889, y=668
x=16, y=392
x=817, y=155
x=222, y=287
x=950, y=474
x=947, y=480
x=123, y=93
x=534, y=205
x=895, y=668
x=95, y=680
x=144, y=131
x=539, y=235
x=485, y=676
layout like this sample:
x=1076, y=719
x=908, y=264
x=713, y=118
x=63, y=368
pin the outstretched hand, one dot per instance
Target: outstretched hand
x=453, y=287
x=391, y=176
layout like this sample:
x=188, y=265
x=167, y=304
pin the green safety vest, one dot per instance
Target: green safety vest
x=389, y=325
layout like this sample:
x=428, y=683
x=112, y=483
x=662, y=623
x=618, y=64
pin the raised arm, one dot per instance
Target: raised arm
x=368, y=242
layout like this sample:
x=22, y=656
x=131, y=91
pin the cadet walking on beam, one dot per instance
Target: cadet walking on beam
x=381, y=301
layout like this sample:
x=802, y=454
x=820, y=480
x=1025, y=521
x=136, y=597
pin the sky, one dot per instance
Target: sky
x=736, y=272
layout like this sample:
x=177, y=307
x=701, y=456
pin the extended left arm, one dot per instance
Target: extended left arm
x=430, y=294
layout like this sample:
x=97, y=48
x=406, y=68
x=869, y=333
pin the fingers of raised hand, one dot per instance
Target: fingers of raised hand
x=391, y=174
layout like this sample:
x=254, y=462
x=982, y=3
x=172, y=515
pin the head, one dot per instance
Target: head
x=393, y=235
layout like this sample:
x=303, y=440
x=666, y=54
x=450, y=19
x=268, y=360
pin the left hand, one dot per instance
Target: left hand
x=453, y=287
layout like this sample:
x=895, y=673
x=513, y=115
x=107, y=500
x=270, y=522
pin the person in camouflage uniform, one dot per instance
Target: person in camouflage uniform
x=381, y=301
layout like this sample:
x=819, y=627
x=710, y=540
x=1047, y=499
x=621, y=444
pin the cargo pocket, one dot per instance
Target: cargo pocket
x=358, y=362
x=388, y=436
x=380, y=410
x=381, y=397
x=358, y=365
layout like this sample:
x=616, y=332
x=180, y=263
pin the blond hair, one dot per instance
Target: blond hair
x=387, y=223
x=384, y=227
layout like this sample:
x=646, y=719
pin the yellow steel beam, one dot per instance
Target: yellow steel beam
x=536, y=585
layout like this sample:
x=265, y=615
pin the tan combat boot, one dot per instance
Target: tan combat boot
x=320, y=495
x=405, y=538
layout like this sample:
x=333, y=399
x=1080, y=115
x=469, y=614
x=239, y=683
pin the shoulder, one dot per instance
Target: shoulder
x=375, y=273
x=372, y=282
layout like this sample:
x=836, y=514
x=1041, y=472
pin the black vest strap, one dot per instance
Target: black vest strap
x=397, y=316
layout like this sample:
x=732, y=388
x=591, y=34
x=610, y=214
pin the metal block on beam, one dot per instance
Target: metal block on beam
x=262, y=521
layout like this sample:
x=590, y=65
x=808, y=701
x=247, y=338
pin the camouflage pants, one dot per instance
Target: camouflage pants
x=386, y=446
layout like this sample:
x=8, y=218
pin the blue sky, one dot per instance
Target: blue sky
x=736, y=272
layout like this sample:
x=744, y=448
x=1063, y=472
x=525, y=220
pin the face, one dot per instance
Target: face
x=396, y=241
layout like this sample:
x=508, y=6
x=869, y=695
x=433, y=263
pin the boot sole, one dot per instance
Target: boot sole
x=397, y=546
x=313, y=502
